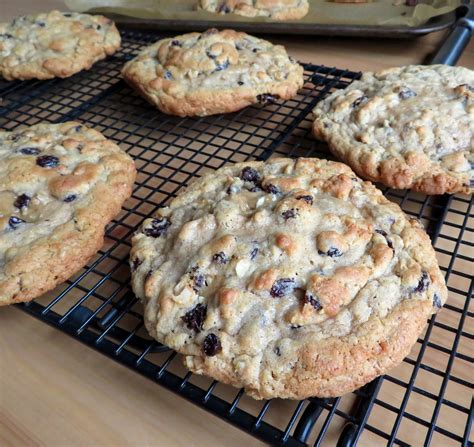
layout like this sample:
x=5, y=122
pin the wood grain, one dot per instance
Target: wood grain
x=56, y=392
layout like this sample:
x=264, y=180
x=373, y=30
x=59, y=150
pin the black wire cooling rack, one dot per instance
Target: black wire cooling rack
x=97, y=307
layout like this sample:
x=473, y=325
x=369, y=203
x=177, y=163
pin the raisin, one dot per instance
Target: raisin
x=384, y=234
x=295, y=326
x=199, y=278
x=41, y=24
x=70, y=198
x=78, y=128
x=158, y=227
x=240, y=82
x=277, y=351
x=359, y=101
x=30, y=151
x=98, y=27
x=67, y=14
x=289, y=214
x=224, y=9
x=194, y=319
x=223, y=66
x=407, y=93
x=22, y=201
x=271, y=189
x=168, y=76
x=423, y=283
x=212, y=345
x=210, y=55
x=314, y=301
x=175, y=43
x=306, y=198
x=255, y=188
x=253, y=253
x=199, y=282
x=7, y=36
x=333, y=252
x=220, y=258
x=14, y=222
x=249, y=174
x=437, y=301
x=135, y=264
x=254, y=50
x=282, y=287
x=148, y=274
x=267, y=98
x=47, y=161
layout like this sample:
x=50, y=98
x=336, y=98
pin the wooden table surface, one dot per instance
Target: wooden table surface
x=56, y=392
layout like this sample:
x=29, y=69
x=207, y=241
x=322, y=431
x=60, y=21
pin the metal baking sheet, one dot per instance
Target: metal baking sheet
x=382, y=18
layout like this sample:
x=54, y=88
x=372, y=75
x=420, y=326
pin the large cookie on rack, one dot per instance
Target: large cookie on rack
x=54, y=44
x=60, y=184
x=291, y=278
x=273, y=9
x=407, y=127
x=213, y=72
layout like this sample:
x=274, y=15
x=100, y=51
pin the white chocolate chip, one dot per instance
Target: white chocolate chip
x=242, y=267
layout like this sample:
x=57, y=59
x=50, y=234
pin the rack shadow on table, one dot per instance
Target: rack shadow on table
x=97, y=306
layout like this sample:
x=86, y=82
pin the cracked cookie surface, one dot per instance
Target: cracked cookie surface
x=200, y=74
x=273, y=9
x=60, y=184
x=291, y=278
x=54, y=44
x=408, y=127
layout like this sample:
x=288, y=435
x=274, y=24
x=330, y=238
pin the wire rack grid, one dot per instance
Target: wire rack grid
x=97, y=307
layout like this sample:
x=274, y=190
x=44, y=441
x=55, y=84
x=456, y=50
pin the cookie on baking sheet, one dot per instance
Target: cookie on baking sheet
x=291, y=278
x=273, y=9
x=60, y=184
x=407, y=127
x=213, y=72
x=352, y=1
x=54, y=44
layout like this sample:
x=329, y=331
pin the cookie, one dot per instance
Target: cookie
x=273, y=9
x=213, y=72
x=54, y=44
x=60, y=184
x=290, y=278
x=352, y=1
x=407, y=127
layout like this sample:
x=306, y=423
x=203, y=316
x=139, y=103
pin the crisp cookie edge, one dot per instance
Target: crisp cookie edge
x=383, y=347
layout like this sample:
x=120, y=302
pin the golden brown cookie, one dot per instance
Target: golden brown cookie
x=54, y=44
x=407, y=127
x=290, y=278
x=60, y=185
x=213, y=72
x=273, y=9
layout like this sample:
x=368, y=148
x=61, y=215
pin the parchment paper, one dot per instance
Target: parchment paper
x=381, y=12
